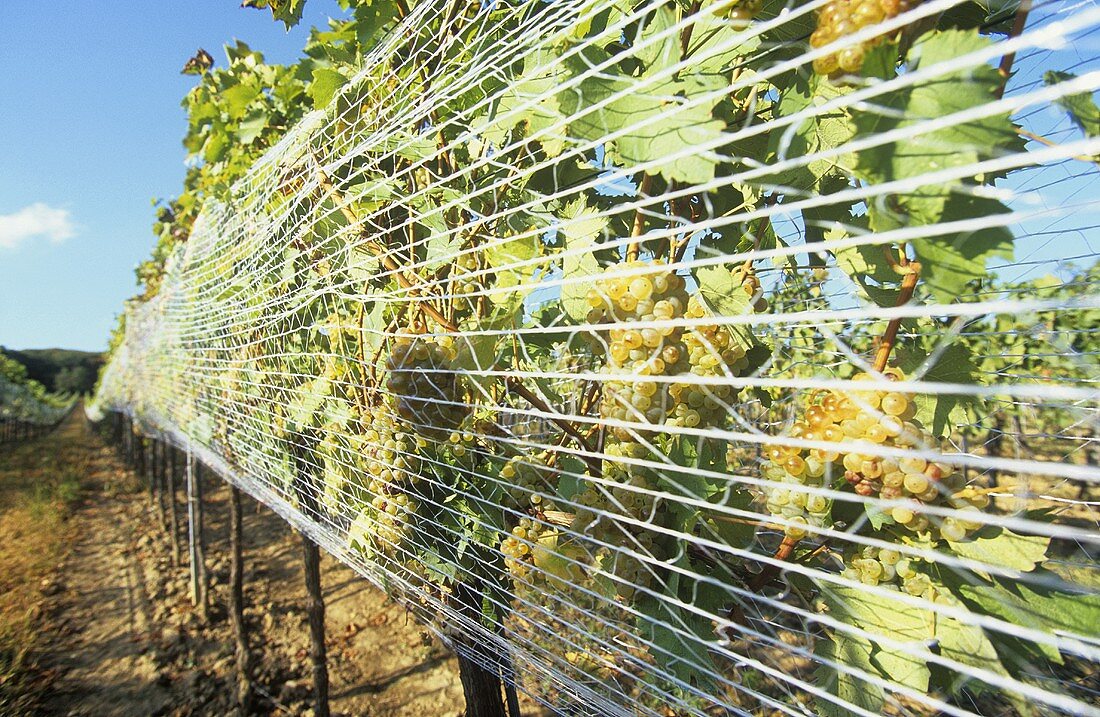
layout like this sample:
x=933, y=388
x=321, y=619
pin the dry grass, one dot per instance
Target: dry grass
x=40, y=482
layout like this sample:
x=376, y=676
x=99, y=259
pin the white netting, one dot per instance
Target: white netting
x=662, y=370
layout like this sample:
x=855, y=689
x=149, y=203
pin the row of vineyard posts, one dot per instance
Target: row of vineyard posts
x=14, y=431
x=167, y=470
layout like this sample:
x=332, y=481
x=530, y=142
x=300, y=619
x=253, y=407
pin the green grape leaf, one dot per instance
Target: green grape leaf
x=886, y=616
x=237, y=98
x=326, y=83
x=954, y=365
x=940, y=147
x=583, y=226
x=819, y=133
x=994, y=545
x=716, y=46
x=1081, y=107
x=662, y=126
x=1037, y=608
x=949, y=262
x=289, y=12
x=253, y=125
x=968, y=644
x=531, y=99
x=724, y=296
x=306, y=401
x=852, y=652
x=682, y=639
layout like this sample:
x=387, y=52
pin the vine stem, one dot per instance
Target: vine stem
x=782, y=554
x=516, y=387
x=635, y=247
x=1005, y=68
x=378, y=251
x=1050, y=143
x=889, y=338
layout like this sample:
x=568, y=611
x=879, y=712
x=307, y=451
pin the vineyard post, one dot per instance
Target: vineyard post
x=125, y=444
x=162, y=462
x=173, y=518
x=139, y=467
x=154, y=475
x=200, y=545
x=192, y=534
x=315, y=603
x=236, y=602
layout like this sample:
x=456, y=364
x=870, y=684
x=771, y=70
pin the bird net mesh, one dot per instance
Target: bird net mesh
x=679, y=358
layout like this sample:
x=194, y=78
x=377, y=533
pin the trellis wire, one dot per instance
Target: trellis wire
x=264, y=355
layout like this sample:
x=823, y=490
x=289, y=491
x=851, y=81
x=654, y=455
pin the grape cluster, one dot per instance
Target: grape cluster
x=526, y=477
x=389, y=455
x=713, y=351
x=465, y=283
x=516, y=547
x=840, y=18
x=538, y=555
x=871, y=418
x=629, y=497
x=650, y=292
x=885, y=567
x=423, y=385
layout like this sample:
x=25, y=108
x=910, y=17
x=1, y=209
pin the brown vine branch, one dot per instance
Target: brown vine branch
x=889, y=338
x=685, y=34
x=1005, y=68
x=380, y=252
x=515, y=386
x=771, y=570
x=635, y=247
x=1049, y=143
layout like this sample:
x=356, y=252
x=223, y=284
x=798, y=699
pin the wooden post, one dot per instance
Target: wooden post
x=173, y=518
x=315, y=607
x=306, y=491
x=162, y=480
x=481, y=687
x=236, y=602
x=192, y=528
x=154, y=472
x=200, y=545
x=139, y=462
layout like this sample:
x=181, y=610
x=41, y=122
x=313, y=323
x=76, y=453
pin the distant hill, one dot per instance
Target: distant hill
x=59, y=370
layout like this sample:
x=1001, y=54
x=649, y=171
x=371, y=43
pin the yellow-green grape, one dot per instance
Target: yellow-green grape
x=841, y=18
x=877, y=418
x=424, y=387
x=877, y=566
x=465, y=282
x=526, y=478
x=712, y=352
x=750, y=285
x=649, y=294
x=743, y=10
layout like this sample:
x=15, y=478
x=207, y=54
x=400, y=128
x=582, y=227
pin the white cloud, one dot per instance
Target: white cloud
x=33, y=221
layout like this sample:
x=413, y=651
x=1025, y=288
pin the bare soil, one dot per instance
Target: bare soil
x=119, y=636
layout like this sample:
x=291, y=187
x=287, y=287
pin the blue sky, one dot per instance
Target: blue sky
x=90, y=129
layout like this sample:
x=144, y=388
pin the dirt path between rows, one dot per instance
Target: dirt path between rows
x=125, y=640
